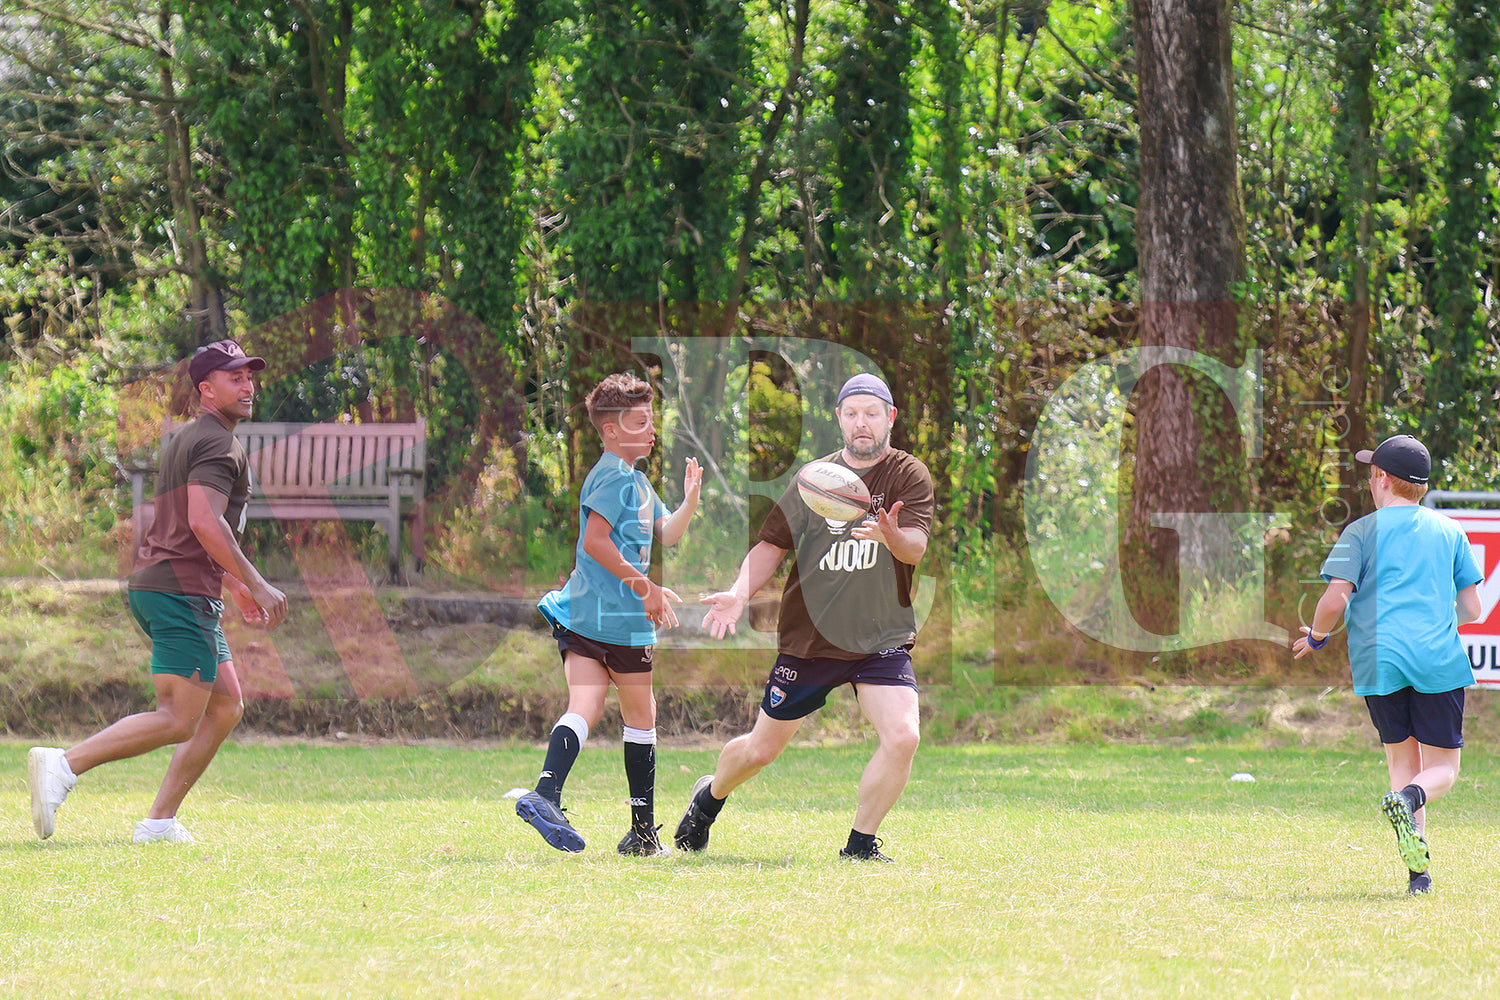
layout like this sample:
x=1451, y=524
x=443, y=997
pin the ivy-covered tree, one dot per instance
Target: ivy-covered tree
x=1462, y=379
x=872, y=153
x=647, y=161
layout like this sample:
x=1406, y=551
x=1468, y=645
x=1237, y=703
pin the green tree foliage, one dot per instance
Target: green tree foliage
x=1463, y=371
x=948, y=185
x=647, y=148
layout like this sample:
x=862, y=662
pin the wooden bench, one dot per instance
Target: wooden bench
x=325, y=472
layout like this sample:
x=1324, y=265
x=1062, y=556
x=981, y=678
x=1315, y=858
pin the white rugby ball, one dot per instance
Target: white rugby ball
x=833, y=491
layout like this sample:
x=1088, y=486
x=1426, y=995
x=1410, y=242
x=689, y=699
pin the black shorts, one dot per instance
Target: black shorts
x=617, y=659
x=1434, y=719
x=797, y=688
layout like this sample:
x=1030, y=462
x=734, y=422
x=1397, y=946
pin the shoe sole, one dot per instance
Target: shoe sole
x=41, y=820
x=687, y=823
x=1408, y=842
x=564, y=838
x=161, y=838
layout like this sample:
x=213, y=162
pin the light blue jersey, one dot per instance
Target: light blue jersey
x=594, y=602
x=1407, y=564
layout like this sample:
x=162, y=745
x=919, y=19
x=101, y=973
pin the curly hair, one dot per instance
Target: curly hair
x=617, y=392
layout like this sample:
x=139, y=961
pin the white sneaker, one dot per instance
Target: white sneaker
x=46, y=772
x=174, y=834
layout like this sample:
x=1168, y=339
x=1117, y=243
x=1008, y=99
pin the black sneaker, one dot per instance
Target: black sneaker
x=1409, y=842
x=873, y=854
x=1418, y=883
x=692, y=829
x=643, y=845
x=549, y=821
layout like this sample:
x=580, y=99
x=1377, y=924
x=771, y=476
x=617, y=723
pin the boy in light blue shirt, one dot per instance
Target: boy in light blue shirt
x=1404, y=579
x=605, y=617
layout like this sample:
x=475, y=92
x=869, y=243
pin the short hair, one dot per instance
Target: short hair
x=1405, y=488
x=617, y=392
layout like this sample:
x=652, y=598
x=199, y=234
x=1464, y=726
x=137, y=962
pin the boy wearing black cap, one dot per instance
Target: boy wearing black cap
x=1404, y=579
x=188, y=556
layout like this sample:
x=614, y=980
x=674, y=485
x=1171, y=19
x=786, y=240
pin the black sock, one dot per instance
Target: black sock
x=860, y=843
x=707, y=804
x=1415, y=795
x=640, y=775
x=562, y=751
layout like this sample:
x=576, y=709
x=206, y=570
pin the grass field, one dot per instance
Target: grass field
x=1067, y=872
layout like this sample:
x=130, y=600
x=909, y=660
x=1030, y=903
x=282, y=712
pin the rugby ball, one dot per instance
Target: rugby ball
x=834, y=492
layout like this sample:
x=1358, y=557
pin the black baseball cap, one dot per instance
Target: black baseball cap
x=221, y=355
x=1403, y=456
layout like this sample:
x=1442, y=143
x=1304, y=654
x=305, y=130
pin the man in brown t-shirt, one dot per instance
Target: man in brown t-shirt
x=846, y=618
x=190, y=554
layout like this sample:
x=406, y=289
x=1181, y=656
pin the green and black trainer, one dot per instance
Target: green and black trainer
x=1408, y=841
x=871, y=853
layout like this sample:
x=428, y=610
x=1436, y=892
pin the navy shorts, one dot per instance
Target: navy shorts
x=616, y=659
x=797, y=688
x=1434, y=719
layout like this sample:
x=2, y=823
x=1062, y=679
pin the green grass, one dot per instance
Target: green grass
x=1059, y=871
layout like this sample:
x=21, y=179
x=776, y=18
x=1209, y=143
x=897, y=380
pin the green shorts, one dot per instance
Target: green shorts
x=185, y=634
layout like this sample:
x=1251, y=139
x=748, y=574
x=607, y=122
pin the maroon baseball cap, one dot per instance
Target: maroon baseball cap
x=221, y=355
x=1403, y=456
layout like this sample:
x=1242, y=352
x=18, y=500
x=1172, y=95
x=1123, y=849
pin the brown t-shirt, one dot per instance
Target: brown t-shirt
x=846, y=598
x=171, y=559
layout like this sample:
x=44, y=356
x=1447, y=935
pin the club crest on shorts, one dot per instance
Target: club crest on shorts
x=777, y=696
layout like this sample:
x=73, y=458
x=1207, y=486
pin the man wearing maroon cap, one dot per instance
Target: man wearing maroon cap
x=189, y=555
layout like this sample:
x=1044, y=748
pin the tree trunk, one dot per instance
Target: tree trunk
x=205, y=301
x=1190, y=241
x=1357, y=34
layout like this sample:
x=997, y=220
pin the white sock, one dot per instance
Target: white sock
x=646, y=736
x=66, y=769
x=158, y=825
x=577, y=723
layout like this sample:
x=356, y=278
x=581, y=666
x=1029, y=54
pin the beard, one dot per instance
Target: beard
x=874, y=449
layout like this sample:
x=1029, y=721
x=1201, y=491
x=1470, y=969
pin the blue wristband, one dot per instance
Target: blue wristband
x=1317, y=643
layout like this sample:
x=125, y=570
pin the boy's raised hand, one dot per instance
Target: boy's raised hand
x=692, y=480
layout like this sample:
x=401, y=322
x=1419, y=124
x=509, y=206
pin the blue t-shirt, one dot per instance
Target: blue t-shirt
x=1407, y=564
x=594, y=602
